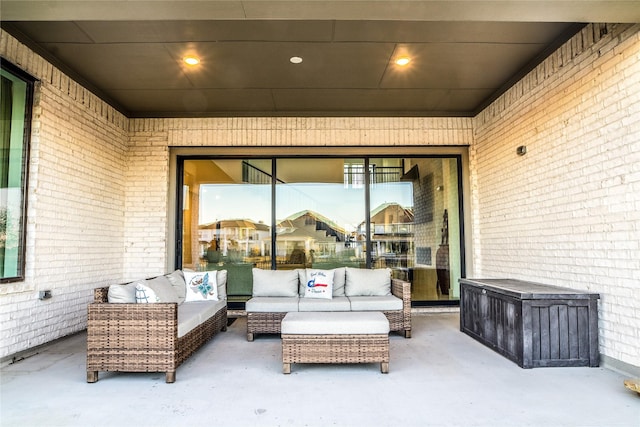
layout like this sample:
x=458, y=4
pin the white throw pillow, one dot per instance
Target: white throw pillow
x=201, y=286
x=122, y=294
x=319, y=284
x=365, y=282
x=275, y=283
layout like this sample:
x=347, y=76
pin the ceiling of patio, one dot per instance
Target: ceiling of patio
x=463, y=54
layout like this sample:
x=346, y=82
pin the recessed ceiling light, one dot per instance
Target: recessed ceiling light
x=403, y=60
x=295, y=60
x=191, y=60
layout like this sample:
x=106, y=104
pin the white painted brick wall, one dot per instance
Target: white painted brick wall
x=568, y=212
x=75, y=221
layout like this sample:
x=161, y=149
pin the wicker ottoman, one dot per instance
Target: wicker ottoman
x=335, y=337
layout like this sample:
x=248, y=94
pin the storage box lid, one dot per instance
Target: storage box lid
x=529, y=290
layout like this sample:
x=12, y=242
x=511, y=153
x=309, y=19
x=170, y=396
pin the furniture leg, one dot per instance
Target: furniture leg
x=171, y=377
x=92, y=376
x=286, y=368
x=249, y=336
x=384, y=367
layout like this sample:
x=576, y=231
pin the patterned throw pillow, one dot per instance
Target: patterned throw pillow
x=319, y=284
x=201, y=286
x=145, y=295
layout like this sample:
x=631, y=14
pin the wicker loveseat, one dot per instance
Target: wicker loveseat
x=275, y=293
x=159, y=337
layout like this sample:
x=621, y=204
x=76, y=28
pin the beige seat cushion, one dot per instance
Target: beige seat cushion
x=385, y=303
x=315, y=304
x=272, y=304
x=192, y=314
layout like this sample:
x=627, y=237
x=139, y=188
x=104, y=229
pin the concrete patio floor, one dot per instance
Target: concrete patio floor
x=440, y=377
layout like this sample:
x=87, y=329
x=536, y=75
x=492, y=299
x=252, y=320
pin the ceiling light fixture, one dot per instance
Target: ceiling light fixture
x=403, y=60
x=295, y=60
x=191, y=60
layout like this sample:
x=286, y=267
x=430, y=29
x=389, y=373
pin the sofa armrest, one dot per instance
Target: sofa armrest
x=100, y=295
x=127, y=326
x=402, y=290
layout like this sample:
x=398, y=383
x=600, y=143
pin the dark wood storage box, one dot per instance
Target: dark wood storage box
x=532, y=324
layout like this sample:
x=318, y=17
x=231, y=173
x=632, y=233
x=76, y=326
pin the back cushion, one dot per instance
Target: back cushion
x=177, y=281
x=221, y=279
x=275, y=283
x=122, y=293
x=365, y=282
x=163, y=289
x=338, y=282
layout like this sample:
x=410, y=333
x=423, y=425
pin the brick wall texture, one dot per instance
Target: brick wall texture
x=566, y=213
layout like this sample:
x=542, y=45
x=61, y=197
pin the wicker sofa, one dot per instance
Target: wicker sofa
x=275, y=293
x=128, y=336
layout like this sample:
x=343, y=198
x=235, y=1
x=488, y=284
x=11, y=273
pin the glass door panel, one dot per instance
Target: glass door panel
x=226, y=219
x=435, y=265
x=319, y=207
x=391, y=216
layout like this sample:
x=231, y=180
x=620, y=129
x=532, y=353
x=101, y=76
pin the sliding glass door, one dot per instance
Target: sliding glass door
x=320, y=204
x=401, y=213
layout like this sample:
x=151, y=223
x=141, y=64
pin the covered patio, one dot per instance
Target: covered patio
x=439, y=377
x=548, y=154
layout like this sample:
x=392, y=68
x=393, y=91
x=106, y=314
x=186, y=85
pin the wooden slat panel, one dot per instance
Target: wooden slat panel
x=544, y=334
x=572, y=320
x=563, y=322
x=583, y=333
x=535, y=326
x=554, y=335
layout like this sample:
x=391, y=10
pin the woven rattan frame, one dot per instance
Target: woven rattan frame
x=141, y=337
x=399, y=320
x=372, y=348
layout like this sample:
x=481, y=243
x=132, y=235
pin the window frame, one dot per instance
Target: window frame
x=30, y=82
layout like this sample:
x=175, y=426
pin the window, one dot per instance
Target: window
x=16, y=92
x=401, y=213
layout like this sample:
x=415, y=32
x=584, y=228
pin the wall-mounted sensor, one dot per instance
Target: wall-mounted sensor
x=521, y=150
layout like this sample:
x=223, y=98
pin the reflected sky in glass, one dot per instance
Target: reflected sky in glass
x=342, y=204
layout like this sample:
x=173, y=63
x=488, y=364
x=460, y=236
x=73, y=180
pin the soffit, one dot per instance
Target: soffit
x=458, y=63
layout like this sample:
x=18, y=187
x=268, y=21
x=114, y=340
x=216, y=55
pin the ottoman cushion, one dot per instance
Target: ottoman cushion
x=334, y=323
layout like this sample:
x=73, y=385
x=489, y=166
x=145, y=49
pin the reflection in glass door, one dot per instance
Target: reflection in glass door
x=226, y=219
x=319, y=206
x=435, y=264
x=287, y=213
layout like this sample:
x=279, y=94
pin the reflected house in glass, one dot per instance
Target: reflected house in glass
x=233, y=238
x=391, y=235
x=308, y=238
